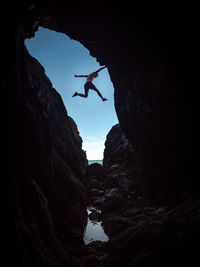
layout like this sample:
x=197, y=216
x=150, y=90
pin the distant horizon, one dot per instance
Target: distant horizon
x=62, y=58
x=91, y=161
x=95, y=159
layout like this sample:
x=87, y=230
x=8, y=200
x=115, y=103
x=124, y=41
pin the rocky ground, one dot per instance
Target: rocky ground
x=141, y=232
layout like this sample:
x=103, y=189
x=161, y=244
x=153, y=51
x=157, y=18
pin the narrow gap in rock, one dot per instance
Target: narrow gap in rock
x=62, y=58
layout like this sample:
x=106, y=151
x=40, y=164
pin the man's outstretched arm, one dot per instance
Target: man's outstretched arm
x=100, y=69
x=80, y=76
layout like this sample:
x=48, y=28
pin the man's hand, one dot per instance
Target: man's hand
x=80, y=75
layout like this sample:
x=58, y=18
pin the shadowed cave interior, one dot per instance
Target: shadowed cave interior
x=146, y=194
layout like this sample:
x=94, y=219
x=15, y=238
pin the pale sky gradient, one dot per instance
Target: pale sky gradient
x=62, y=58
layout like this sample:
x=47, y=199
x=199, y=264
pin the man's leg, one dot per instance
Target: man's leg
x=82, y=95
x=95, y=89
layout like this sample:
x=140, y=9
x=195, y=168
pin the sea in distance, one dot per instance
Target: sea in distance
x=95, y=161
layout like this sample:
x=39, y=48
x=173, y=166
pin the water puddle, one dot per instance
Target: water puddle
x=94, y=231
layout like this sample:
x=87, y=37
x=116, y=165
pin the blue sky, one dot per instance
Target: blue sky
x=62, y=58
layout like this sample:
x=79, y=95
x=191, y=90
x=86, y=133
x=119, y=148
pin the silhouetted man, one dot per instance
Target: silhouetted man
x=89, y=85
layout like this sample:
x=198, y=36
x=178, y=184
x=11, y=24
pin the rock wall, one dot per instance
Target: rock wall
x=141, y=232
x=43, y=206
x=120, y=163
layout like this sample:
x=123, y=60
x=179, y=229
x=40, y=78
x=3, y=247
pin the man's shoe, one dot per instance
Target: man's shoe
x=104, y=99
x=75, y=94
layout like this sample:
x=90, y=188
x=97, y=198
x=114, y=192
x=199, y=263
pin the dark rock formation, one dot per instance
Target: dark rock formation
x=117, y=148
x=78, y=141
x=120, y=162
x=95, y=175
x=44, y=200
x=155, y=237
x=140, y=233
x=150, y=55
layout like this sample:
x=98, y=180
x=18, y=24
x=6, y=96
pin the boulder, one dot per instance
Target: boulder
x=120, y=162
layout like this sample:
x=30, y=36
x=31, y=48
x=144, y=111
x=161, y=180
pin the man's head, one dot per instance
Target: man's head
x=95, y=74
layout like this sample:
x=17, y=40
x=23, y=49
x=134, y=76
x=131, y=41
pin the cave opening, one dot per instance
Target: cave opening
x=62, y=58
x=151, y=218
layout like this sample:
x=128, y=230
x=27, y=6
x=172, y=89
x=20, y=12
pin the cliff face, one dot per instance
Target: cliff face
x=118, y=149
x=120, y=162
x=44, y=211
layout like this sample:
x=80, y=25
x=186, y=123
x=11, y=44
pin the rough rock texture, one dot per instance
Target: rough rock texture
x=78, y=141
x=140, y=233
x=120, y=162
x=44, y=201
x=150, y=55
x=95, y=175
x=154, y=236
x=117, y=148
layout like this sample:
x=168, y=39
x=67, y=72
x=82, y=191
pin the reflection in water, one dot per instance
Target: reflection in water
x=94, y=231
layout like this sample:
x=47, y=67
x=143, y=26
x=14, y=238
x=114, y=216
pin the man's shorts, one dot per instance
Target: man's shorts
x=89, y=85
